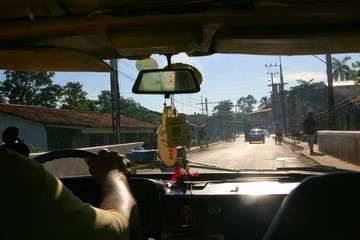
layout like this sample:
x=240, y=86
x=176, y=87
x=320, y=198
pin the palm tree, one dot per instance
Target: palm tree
x=265, y=102
x=246, y=103
x=340, y=69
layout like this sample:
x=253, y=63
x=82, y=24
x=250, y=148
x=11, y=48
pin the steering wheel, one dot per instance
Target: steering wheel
x=64, y=154
x=147, y=192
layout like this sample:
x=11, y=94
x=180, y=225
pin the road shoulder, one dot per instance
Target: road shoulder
x=321, y=158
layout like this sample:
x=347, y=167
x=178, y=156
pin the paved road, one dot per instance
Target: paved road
x=242, y=155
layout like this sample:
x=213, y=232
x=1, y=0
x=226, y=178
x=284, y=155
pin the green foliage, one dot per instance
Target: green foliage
x=340, y=69
x=30, y=88
x=36, y=149
x=246, y=104
x=354, y=73
x=87, y=105
x=184, y=164
x=224, y=107
x=37, y=88
x=265, y=102
x=290, y=95
x=72, y=94
x=104, y=101
x=128, y=107
x=223, y=111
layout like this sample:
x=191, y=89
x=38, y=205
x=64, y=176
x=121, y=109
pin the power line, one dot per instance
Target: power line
x=71, y=77
x=126, y=76
x=206, y=105
x=129, y=66
x=97, y=84
x=186, y=104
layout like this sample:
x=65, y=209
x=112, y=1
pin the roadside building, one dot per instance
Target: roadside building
x=263, y=115
x=345, y=113
x=51, y=129
x=346, y=116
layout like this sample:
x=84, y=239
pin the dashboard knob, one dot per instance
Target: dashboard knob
x=214, y=209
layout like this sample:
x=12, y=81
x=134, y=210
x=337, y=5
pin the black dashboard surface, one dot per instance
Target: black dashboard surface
x=215, y=207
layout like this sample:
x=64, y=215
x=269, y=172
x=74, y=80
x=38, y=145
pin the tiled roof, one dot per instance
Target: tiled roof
x=259, y=111
x=350, y=102
x=68, y=117
x=342, y=83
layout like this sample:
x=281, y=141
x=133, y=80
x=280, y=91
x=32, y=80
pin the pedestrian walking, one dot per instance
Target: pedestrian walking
x=293, y=134
x=297, y=134
x=201, y=137
x=310, y=130
x=279, y=135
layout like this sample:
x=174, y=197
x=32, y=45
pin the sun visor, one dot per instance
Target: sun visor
x=302, y=40
x=51, y=59
x=159, y=39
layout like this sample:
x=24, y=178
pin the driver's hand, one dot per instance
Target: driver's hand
x=106, y=162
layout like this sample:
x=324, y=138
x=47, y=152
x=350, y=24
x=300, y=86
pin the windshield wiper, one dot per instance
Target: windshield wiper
x=211, y=167
x=316, y=168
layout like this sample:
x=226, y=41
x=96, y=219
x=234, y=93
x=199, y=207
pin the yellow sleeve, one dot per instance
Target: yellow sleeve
x=39, y=206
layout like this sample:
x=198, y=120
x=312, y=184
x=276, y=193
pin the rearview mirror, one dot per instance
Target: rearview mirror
x=166, y=81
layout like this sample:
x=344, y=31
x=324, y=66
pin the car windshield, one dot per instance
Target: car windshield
x=238, y=93
x=256, y=131
x=288, y=68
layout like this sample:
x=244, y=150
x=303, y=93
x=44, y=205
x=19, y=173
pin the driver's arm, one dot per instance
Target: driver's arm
x=112, y=170
x=36, y=205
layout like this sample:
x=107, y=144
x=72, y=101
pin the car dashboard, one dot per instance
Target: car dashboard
x=216, y=206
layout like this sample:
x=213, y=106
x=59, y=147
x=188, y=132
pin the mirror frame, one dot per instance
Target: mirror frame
x=136, y=85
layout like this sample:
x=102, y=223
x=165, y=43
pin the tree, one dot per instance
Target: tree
x=340, y=69
x=265, y=102
x=87, y=105
x=128, y=107
x=223, y=110
x=30, y=88
x=133, y=109
x=104, y=102
x=246, y=103
x=72, y=94
x=354, y=73
x=224, y=107
x=314, y=92
x=49, y=96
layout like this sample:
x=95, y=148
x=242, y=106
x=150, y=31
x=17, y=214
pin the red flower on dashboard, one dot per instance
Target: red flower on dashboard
x=180, y=175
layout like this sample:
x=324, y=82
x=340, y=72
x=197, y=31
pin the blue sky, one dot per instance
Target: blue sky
x=225, y=77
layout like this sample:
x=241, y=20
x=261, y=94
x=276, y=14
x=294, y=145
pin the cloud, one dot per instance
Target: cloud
x=293, y=76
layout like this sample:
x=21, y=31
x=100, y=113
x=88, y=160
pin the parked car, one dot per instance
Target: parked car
x=141, y=156
x=256, y=134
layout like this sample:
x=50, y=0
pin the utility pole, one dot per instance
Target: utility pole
x=115, y=101
x=331, y=102
x=202, y=105
x=282, y=96
x=281, y=92
x=330, y=91
x=206, y=106
x=273, y=97
x=206, y=103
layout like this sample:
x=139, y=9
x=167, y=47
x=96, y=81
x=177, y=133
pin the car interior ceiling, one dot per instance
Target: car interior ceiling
x=98, y=30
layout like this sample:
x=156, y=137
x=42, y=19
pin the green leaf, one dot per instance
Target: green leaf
x=184, y=163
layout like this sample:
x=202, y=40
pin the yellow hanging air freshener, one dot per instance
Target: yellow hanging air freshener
x=176, y=131
x=167, y=154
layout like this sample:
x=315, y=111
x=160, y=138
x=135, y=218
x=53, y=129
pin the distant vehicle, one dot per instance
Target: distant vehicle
x=249, y=125
x=256, y=135
x=141, y=156
x=267, y=133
